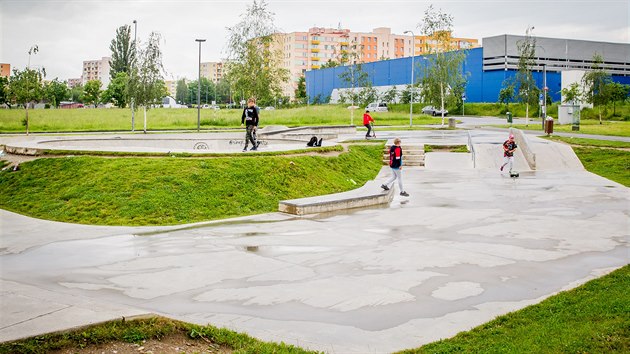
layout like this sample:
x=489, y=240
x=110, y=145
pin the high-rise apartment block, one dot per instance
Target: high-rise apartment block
x=5, y=70
x=96, y=70
x=310, y=50
x=212, y=70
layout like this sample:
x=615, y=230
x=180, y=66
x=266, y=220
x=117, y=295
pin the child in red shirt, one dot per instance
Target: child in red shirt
x=367, y=122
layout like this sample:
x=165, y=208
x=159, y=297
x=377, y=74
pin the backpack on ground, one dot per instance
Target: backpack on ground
x=312, y=142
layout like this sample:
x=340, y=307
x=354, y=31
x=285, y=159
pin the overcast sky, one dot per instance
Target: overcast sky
x=70, y=31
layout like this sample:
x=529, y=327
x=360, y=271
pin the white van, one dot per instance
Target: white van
x=377, y=107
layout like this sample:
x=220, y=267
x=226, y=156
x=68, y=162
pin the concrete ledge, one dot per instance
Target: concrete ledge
x=524, y=146
x=370, y=194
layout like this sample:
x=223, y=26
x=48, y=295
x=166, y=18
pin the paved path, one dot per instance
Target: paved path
x=468, y=245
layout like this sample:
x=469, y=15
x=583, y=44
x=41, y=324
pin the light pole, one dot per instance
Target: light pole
x=133, y=64
x=199, y=87
x=413, y=54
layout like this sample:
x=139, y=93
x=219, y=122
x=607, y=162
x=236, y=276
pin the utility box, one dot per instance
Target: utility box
x=509, y=117
x=567, y=114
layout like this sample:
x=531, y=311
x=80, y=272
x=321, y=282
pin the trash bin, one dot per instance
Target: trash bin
x=509, y=117
x=549, y=125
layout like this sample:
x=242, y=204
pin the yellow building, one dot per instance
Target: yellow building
x=212, y=70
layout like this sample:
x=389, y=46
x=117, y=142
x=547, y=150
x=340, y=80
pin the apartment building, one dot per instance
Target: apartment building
x=96, y=70
x=171, y=87
x=311, y=50
x=212, y=70
x=72, y=83
x=5, y=70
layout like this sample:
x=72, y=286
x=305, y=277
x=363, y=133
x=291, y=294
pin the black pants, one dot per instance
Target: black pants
x=369, y=128
x=250, y=135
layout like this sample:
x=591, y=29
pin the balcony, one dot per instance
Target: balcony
x=315, y=58
x=343, y=51
x=344, y=43
x=315, y=66
x=314, y=50
x=315, y=41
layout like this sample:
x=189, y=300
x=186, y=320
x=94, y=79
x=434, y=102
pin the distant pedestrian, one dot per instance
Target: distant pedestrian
x=367, y=122
x=509, y=146
x=396, y=163
x=250, y=119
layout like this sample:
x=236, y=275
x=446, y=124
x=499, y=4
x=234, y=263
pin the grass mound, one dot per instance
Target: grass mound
x=164, y=191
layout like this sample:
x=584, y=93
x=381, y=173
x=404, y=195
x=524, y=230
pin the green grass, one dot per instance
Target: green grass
x=445, y=148
x=592, y=318
x=114, y=119
x=614, y=128
x=610, y=163
x=135, y=331
x=590, y=142
x=166, y=191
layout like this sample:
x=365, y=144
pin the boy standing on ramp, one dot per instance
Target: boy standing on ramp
x=509, y=146
x=250, y=119
x=395, y=162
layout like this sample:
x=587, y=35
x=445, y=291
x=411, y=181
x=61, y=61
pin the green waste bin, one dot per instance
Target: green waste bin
x=509, y=117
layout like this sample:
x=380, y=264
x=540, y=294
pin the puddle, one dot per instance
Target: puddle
x=213, y=224
x=271, y=250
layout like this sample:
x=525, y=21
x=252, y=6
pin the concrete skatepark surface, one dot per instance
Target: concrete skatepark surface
x=468, y=245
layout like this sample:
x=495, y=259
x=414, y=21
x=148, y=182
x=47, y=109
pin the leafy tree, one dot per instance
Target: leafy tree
x=391, y=95
x=618, y=93
x=255, y=58
x=76, y=94
x=123, y=52
x=444, y=70
x=146, y=85
x=571, y=94
x=56, y=91
x=506, y=95
x=595, y=82
x=116, y=91
x=207, y=90
x=330, y=64
x=92, y=92
x=26, y=86
x=4, y=90
x=527, y=90
x=181, y=92
x=405, y=95
x=300, y=91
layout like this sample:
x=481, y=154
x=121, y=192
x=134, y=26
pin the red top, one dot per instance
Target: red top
x=367, y=118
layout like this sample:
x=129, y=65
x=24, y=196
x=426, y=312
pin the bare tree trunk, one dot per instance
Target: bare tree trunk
x=527, y=113
x=27, y=118
x=599, y=110
x=442, y=101
x=145, y=118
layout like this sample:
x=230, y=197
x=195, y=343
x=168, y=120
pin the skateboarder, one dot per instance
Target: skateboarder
x=250, y=119
x=509, y=146
x=395, y=162
x=367, y=122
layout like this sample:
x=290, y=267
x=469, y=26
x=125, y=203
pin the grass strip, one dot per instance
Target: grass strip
x=135, y=331
x=590, y=142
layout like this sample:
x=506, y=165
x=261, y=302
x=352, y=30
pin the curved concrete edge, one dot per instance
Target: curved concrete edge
x=370, y=194
x=524, y=146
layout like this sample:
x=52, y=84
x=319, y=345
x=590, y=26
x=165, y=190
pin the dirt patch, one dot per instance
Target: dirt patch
x=172, y=343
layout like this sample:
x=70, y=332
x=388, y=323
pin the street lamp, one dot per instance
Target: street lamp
x=199, y=87
x=413, y=54
x=135, y=56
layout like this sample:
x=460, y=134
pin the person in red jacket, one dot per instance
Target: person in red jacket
x=395, y=162
x=367, y=122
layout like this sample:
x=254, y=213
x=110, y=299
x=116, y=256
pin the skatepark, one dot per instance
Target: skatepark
x=470, y=244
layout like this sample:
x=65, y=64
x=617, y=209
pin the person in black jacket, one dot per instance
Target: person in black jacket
x=395, y=162
x=250, y=119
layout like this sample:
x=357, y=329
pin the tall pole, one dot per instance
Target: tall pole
x=413, y=54
x=135, y=58
x=199, y=87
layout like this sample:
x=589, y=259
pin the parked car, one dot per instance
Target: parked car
x=433, y=111
x=269, y=108
x=377, y=107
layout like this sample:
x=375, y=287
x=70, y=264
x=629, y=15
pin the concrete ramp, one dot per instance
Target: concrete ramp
x=490, y=156
x=448, y=161
x=554, y=156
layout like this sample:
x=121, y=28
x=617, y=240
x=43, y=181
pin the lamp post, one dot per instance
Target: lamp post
x=199, y=87
x=413, y=54
x=133, y=64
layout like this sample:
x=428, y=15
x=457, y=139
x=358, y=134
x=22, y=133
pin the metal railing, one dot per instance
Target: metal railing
x=471, y=147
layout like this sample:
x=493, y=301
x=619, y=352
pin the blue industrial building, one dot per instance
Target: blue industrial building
x=488, y=67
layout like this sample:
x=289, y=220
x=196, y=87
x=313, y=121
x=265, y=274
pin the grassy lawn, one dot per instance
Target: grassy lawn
x=445, y=148
x=114, y=119
x=610, y=163
x=592, y=318
x=617, y=128
x=165, y=191
x=137, y=331
x=590, y=142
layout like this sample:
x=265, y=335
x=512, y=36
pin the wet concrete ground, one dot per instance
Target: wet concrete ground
x=468, y=245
